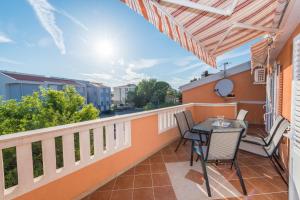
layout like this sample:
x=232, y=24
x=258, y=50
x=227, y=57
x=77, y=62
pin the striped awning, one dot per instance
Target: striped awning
x=209, y=34
x=259, y=54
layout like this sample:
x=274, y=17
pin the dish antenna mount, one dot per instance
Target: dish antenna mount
x=224, y=87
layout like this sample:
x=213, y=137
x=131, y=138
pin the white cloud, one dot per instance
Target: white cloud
x=190, y=67
x=45, y=14
x=145, y=63
x=73, y=19
x=185, y=60
x=9, y=61
x=4, y=38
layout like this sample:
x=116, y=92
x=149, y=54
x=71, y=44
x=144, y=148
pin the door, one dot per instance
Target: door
x=294, y=180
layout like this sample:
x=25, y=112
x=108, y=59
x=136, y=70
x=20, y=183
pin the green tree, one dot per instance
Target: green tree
x=160, y=92
x=40, y=110
x=150, y=94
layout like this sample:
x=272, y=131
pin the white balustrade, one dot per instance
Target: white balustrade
x=166, y=119
x=110, y=135
x=115, y=140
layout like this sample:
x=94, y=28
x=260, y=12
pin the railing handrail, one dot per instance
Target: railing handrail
x=8, y=137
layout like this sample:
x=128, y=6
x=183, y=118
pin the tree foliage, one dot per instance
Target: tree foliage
x=44, y=109
x=151, y=94
x=40, y=110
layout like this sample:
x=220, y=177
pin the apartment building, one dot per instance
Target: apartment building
x=99, y=95
x=120, y=93
x=14, y=85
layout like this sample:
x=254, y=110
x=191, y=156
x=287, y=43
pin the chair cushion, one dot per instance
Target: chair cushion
x=194, y=136
x=254, y=139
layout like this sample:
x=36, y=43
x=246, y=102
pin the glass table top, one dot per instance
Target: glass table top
x=213, y=124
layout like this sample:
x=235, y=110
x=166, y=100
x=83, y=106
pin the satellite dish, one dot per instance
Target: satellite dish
x=224, y=87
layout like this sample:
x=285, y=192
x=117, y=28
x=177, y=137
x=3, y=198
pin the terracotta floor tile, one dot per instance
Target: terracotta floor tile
x=158, y=168
x=257, y=197
x=228, y=173
x=164, y=193
x=101, y=195
x=122, y=195
x=250, y=189
x=161, y=179
x=248, y=172
x=170, y=158
x=142, y=181
x=129, y=172
x=263, y=186
x=143, y=194
x=232, y=198
x=278, y=196
x=156, y=159
x=145, y=162
x=277, y=181
x=124, y=182
x=167, y=151
x=108, y=186
x=142, y=169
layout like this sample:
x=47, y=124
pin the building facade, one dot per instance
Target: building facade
x=15, y=85
x=99, y=95
x=120, y=93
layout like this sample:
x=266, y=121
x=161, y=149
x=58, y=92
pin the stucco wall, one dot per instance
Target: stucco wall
x=285, y=58
x=244, y=90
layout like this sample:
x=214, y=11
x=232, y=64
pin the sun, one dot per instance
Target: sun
x=104, y=48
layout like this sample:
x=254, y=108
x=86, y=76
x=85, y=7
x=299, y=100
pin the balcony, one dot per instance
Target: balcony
x=131, y=157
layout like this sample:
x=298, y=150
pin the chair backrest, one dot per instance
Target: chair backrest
x=223, y=144
x=182, y=123
x=274, y=128
x=278, y=134
x=189, y=118
x=242, y=115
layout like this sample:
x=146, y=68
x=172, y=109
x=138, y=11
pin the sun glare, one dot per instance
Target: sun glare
x=105, y=48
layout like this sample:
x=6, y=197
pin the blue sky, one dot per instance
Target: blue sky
x=98, y=40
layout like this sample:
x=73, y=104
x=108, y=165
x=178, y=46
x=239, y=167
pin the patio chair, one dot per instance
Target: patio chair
x=223, y=145
x=242, y=115
x=267, y=147
x=189, y=118
x=264, y=141
x=185, y=133
x=191, y=123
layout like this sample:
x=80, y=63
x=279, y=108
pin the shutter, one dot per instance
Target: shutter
x=295, y=154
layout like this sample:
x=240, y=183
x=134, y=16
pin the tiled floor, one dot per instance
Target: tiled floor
x=150, y=180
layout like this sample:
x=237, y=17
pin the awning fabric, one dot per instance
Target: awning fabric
x=259, y=54
x=207, y=34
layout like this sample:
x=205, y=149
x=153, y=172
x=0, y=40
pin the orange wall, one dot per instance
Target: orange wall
x=244, y=90
x=145, y=141
x=285, y=58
